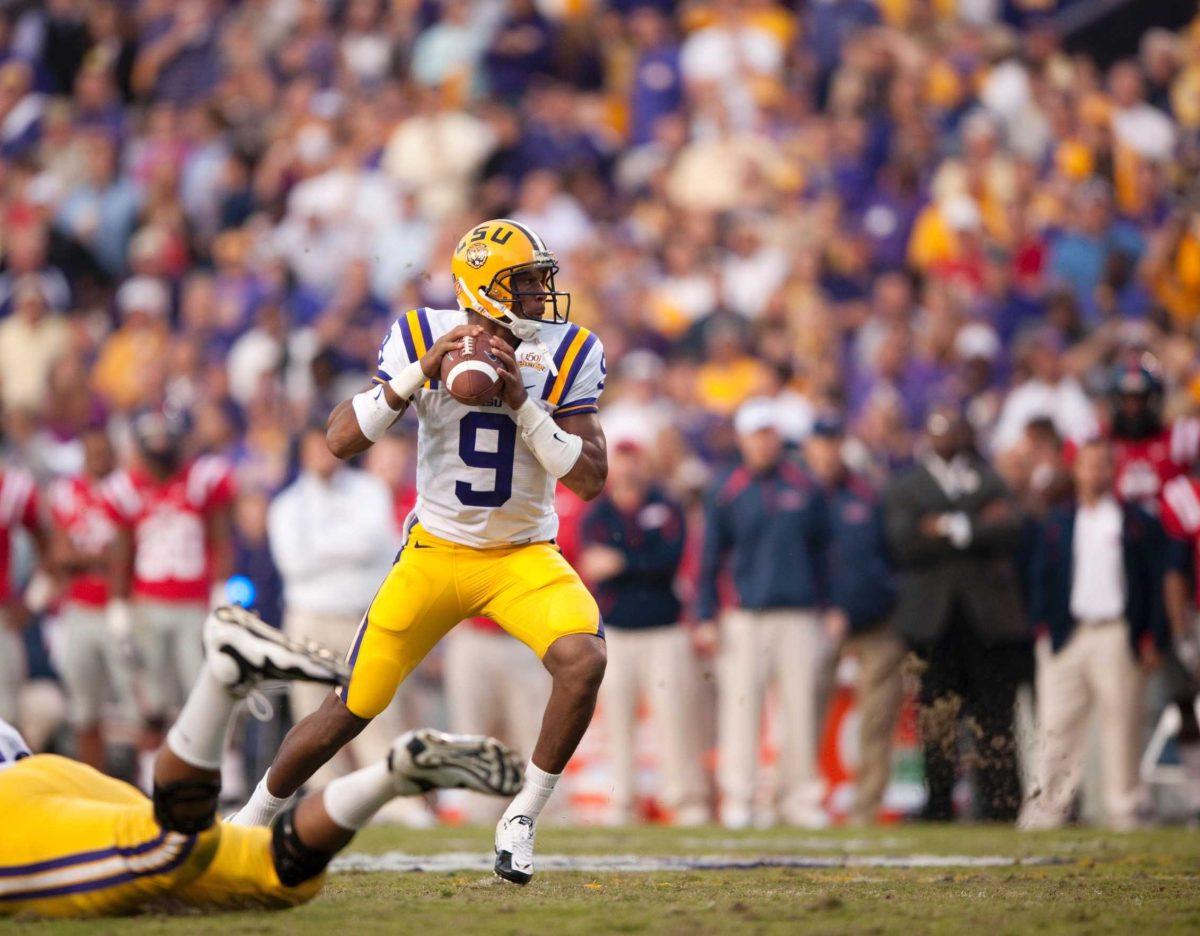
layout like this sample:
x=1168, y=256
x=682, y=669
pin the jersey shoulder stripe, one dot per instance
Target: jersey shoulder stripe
x=576, y=364
x=415, y=332
x=564, y=357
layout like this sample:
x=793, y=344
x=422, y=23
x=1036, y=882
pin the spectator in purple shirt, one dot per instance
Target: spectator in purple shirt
x=521, y=50
x=657, y=85
x=179, y=60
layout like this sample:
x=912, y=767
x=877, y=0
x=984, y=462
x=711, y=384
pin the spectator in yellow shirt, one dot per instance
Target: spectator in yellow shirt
x=130, y=353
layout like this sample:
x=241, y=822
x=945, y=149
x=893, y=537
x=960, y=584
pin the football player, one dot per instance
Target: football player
x=480, y=541
x=82, y=533
x=78, y=843
x=1149, y=452
x=174, y=522
x=19, y=510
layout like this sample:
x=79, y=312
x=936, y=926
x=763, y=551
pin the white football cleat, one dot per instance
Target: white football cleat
x=514, y=849
x=242, y=651
x=434, y=760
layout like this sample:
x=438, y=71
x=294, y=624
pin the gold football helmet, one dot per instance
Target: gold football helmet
x=484, y=264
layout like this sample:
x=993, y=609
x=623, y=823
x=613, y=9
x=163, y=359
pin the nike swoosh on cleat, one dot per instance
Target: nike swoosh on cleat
x=421, y=546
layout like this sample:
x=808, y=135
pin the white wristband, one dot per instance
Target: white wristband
x=373, y=413
x=408, y=381
x=557, y=449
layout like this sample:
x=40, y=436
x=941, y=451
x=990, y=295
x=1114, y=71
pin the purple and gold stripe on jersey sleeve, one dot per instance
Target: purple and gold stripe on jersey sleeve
x=577, y=407
x=563, y=347
x=417, y=337
x=569, y=360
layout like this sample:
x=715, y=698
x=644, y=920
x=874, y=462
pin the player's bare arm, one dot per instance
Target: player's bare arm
x=589, y=473
x=589, y=469
x=355, y=424
x=220, y=538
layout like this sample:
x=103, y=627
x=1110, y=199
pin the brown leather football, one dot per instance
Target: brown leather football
x=472, y=375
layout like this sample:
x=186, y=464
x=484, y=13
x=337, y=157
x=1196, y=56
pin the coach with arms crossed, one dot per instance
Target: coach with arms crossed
x=954, y=530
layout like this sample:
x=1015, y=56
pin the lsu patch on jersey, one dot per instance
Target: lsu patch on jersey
x=478, y=483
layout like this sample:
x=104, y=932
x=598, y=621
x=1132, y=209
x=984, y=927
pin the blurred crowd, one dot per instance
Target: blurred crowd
x=886, y=223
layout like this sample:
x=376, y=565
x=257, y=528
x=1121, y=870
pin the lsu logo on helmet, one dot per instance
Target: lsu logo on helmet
x=477, y=255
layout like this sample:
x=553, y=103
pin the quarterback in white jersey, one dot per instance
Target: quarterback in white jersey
x=480, y=540
x=475, y=484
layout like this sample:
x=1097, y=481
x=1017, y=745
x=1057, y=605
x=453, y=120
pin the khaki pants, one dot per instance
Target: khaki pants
x=1095, y=671
x=879, y=691
x=787, y=648
x=657, y=663
x=337, y=632
x=495, y=686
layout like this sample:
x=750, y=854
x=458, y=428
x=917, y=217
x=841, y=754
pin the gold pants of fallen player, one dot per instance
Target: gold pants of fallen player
x=76, y=843
x=529, y=590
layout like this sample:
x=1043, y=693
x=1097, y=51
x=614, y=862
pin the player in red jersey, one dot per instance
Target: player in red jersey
x=82, y=533
x=1149, y=452
x=18, y=510
x=174, y=523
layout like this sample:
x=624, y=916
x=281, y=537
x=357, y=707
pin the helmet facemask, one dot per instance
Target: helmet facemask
x=502, y=290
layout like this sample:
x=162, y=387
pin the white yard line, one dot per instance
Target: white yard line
x=475, y=861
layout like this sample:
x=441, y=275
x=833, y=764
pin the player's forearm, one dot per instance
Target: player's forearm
x=1176, y=601
x=587, y=476
x=221, y=539
x=120, y=570
x=343, y=433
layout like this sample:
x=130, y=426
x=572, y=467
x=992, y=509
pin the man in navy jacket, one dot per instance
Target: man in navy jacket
x=632, y=542
x=766, y=526
x=861, y=597
x=1096, y=595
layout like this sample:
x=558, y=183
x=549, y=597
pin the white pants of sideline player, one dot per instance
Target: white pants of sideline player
x=337, y=631
x=494, y=686
x=92, y=667
x=655, y=663
x=12, y=671
x=169, y=640
x=1095, y=672
x=787, y=649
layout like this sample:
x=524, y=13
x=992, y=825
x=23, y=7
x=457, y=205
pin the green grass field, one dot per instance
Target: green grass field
x=1077, y=881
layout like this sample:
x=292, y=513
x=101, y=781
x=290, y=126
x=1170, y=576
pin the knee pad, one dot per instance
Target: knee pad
x=189, y=806
x=294, y=861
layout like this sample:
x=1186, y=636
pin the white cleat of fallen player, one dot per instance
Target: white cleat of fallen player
x=514, y=849
x=242, y=651
x=435, y=760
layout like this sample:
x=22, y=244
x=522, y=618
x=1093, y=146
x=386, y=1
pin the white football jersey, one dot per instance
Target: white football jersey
x=477, y=481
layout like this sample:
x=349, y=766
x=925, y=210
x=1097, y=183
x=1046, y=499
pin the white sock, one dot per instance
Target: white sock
x=534, y=794
x=262, y=807
x=198, y=735
x=352, y=800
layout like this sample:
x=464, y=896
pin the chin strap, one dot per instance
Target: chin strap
x=525, y=329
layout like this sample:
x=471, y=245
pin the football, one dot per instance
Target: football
x=472, y=375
